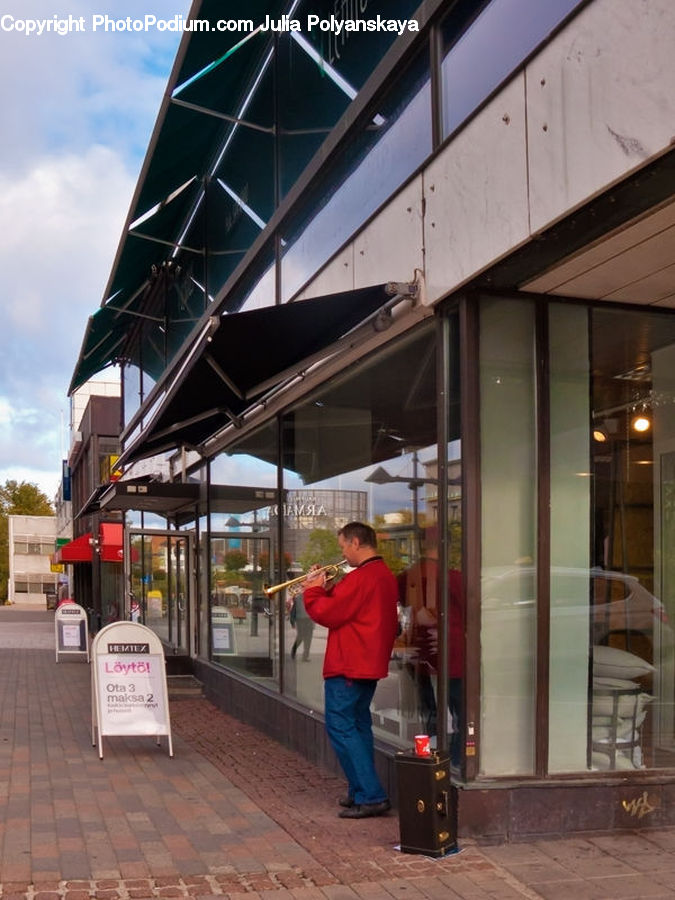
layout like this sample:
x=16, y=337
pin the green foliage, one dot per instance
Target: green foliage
x=322, y=547
x=235, y=560
x=387, y=550
x=23, y=499
x=455, y=549
x=17, y=499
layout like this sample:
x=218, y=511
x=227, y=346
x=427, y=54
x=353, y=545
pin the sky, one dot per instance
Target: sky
x=77, y=112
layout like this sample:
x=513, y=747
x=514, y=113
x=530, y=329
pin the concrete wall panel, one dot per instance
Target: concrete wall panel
x=600, y=102
x=476, y=194
x=337, y=276
x=391, y=247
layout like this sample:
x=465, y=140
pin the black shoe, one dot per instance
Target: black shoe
x=365, y=810
x=346, y=801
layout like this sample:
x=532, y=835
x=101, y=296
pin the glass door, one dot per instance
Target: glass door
x=160, y=585
x=244, y=623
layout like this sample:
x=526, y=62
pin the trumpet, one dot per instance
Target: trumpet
x=332, y=570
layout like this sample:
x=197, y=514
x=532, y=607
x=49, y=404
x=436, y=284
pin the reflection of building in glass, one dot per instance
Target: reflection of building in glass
x=305, y=511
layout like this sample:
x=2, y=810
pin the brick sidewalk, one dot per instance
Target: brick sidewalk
x=233, y=814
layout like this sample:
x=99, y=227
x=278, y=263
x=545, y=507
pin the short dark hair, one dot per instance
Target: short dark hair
x=365, y=534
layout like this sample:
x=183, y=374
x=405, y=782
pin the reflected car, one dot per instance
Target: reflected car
x=618, y=608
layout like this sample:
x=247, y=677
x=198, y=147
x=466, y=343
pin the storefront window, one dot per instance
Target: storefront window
x=160, y=572
x=508, y=491
x=612, y=431
x=571, y=579
x=365, y=449
x=241, y=550
x=610, y=591
x=631, y=591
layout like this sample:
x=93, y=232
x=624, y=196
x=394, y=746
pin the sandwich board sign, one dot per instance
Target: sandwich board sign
x=222, y=632
x=70, y=630
x=129, y=693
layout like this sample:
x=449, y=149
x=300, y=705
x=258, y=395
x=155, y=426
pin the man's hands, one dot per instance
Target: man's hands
x=318, y=579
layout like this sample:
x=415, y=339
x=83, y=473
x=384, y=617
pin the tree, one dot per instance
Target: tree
x=322, y=547
x=235, y=560
x=17, y=499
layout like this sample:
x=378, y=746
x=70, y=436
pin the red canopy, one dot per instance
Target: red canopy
x=77, y=550
x=110, y=542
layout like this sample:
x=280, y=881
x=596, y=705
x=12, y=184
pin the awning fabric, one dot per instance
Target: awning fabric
x=214, y=153
x=111, y=541
x=77, y=550
x=248, y=354
x=80, y=548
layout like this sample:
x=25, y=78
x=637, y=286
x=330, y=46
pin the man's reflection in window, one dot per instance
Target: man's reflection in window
x=419, y=595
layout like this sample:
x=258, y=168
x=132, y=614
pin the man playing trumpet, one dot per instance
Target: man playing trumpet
x=361, y=616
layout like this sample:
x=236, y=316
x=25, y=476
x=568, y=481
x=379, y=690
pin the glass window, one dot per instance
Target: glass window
x=131, y=389
x=571, y=581
x=365, y=448
x=385, y=152
x=242, y=546
x=491, y=49
x=508, y=540
x=632, y=599
x=160, y=568
x=611, y=587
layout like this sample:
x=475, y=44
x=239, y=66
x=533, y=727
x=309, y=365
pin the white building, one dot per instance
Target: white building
x=31, y=541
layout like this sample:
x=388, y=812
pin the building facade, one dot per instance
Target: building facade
x=429, y=269
x=30, y=544
x=93, y=556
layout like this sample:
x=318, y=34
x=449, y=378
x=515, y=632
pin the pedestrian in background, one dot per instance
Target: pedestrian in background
x=304, y=627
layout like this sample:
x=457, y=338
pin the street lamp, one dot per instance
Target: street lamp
x=381, y=476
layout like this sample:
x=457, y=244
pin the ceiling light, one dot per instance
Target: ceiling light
x=599, y=435
x=641, y=423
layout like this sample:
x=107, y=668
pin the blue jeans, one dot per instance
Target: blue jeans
x=350, y=732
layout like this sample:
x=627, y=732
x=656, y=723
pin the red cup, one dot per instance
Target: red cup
x=422, y=745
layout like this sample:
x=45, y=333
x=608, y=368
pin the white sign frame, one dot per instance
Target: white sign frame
x=223, y=633
x=129, y=694
x=69, y=635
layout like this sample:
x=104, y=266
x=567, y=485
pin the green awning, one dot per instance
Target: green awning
x=218, y=165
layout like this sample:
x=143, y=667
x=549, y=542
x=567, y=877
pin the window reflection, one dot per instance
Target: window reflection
x=610, y=587
x=242, y=552
x=382, y=156
x=632, y=601
x=499, y=46
x=365, y=449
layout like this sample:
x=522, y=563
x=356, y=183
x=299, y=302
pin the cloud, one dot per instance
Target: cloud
x=62, y=92
x=78, y=111
x=61, y=224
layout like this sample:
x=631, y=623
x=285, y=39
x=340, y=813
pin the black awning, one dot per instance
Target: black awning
x=93, y=503
x=248, y=354
x=180, y=500
x=163, y=498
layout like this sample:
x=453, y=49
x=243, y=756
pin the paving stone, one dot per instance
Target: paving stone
x=213, y=822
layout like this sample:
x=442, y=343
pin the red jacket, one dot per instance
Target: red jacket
x=361, y=616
